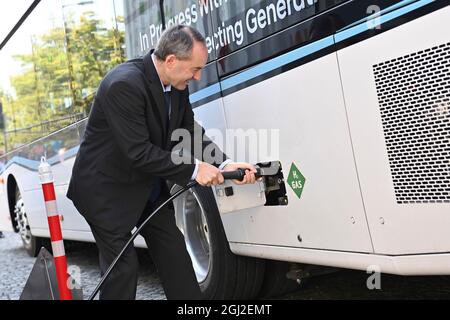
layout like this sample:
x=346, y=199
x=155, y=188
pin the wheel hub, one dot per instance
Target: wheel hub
x=22, y=221
x=192, y=221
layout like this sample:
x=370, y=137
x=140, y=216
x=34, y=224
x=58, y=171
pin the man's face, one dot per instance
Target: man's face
x=180, y=72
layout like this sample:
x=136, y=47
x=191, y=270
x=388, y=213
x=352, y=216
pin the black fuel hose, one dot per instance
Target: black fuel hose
x=227, y=175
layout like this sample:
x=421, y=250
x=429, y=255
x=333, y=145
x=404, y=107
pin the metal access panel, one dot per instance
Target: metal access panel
x=231, y=197
x=396, y=87
x=268, y=190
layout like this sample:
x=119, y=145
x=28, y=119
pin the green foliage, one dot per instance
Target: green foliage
x=60, y=77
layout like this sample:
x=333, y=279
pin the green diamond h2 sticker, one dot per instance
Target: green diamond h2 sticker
x=296, y=180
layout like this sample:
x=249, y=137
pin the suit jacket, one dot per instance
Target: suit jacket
x=126, y=148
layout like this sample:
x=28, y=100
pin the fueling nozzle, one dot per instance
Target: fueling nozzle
x=239, y=174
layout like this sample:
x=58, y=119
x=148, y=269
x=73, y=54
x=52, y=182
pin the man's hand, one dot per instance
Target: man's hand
x=250, y=171
x=208, y=175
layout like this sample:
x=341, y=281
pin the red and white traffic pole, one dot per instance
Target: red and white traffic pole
x=59, y=255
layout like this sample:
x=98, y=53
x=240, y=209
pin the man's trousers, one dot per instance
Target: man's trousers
x=168, y=251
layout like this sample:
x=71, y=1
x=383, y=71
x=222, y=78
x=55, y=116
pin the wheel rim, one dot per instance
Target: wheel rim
x=22, y=221
x=191, y=220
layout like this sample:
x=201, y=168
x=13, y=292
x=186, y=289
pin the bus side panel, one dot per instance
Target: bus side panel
x=70, y=220
x=400, y=132
x=5, y=217
x=25, y=178
x=212, y=117
x=306, y=106
x=60, y=149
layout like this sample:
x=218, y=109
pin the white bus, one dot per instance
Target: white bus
x=357, y=92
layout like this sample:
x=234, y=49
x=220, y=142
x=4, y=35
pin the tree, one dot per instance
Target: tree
x=95, y=51
x=42, y=91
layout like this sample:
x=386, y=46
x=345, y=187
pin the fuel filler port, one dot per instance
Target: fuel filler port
x=269, y=190
x=273, y=179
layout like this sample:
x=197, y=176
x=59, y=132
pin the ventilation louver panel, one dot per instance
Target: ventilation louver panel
x=414, y=99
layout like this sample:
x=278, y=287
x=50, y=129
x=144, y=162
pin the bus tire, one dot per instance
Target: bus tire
x=31, y=244
x=220, y=273
x=276, y=282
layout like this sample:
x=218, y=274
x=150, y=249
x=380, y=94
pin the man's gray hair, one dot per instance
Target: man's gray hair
x=179, y=41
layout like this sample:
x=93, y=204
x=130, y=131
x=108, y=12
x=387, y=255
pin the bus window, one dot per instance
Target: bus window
x=52, y=65
x=239, y=23
x=143, y=24
x=194, y=13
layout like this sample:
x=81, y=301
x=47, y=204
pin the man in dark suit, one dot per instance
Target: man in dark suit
x=125, y=158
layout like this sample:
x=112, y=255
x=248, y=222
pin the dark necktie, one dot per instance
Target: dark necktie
x=167, y=106
x=158, y=182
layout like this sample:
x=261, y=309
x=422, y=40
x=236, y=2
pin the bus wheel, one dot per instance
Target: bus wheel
x=276, y=282
x=220, y=273
x=31, y=243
